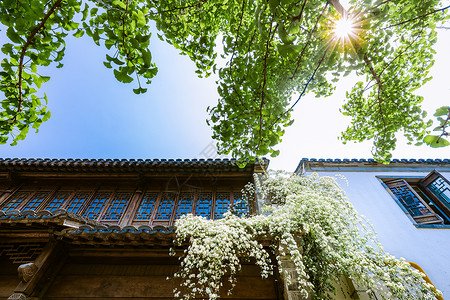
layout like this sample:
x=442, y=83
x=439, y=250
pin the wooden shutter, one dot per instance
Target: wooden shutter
x=437, y=187
x=413, y=203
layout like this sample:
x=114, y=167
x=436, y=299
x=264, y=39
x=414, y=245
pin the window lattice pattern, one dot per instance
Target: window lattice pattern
x=408, y=199
x=222, y=204
x=147, y=205
x=184, y=204
x=77, y=202
x=165, y=207
x=36, y=200
x=22, y=253
x=204, y=203
x=117, y=207
x=17, y=199
x=57, y=201
x=240, y=205
x=441, y=189
x=96, y=205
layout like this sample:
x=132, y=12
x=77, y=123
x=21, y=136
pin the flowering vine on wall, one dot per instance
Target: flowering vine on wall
x=309, y=221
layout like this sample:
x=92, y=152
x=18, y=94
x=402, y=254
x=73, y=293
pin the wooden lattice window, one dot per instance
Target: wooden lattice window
x=37, y=199
x=57, y=201
x=146, y=207
x=76, y=204
x=204, y=205
x=419, y=210
x=16, y=200
x=240, y=206
x=117, y=207
x=222, y=204
x=437, y=188
x=185, y=204
x=166, y=206
x=96, y=205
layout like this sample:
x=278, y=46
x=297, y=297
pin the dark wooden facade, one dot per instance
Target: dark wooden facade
x=102, y=229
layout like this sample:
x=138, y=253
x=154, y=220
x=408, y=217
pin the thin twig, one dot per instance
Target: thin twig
x=304, y=88
x=237, y=36
x=418, y=17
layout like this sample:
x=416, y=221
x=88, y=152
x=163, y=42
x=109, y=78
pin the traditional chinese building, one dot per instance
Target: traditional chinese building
x=102, y=229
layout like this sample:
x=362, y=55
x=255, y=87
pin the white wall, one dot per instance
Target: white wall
x=429, y=248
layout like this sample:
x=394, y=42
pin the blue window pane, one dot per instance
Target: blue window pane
x=204, y=203
x=117, y=207
x=441, y=189
x=408, y=199
x=36, y=200
x=184, y=204
x=166, y=205
x=147, y=205
x=77, y=202
x=57, y=201
x=96, y=205
x=240, y=206
x=16, y=199
x=221, y=205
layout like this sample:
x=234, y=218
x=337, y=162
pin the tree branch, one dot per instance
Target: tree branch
x=380, y=90
x=418, y=17
x=269, y=38
x=307, y=43
x=304, y=88
x=237, y=35
x=24, y=50
x=444, y=132
x=338, y=6
x=299, y=17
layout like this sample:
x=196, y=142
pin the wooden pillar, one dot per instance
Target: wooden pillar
x=34, y=275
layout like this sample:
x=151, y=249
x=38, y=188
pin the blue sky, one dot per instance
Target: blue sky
x=94, y=116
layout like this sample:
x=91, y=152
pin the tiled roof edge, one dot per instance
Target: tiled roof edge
x=39, y=164
x=17, y=216
x=371, y=162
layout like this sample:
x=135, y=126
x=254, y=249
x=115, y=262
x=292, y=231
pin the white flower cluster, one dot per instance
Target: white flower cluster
x=313, y=225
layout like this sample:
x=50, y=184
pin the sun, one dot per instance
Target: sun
x=344, y=28
x=345, y=33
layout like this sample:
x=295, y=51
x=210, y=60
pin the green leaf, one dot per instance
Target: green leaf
x=123, y=77
x=147, y=57
x=46, y=116
x=275, y=153
x=139, y=91
x=78, y=33
x=109, y=43
x=13, y=36
x=290, y=51
x=120, y=4
x=141, y=18
x=435, y=141
x=442, y=111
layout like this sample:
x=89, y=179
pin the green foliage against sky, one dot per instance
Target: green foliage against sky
x=276, y=51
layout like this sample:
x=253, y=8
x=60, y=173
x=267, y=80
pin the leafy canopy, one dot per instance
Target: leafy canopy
x=275, y=50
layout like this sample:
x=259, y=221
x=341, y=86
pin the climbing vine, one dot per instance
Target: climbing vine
x=310, y=222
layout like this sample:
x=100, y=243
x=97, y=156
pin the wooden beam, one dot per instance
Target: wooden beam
x=51, y=254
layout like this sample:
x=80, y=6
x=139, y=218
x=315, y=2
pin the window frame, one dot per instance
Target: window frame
x=431, y=218
x=424, y=185
x=87, y=195
x=421, y=182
